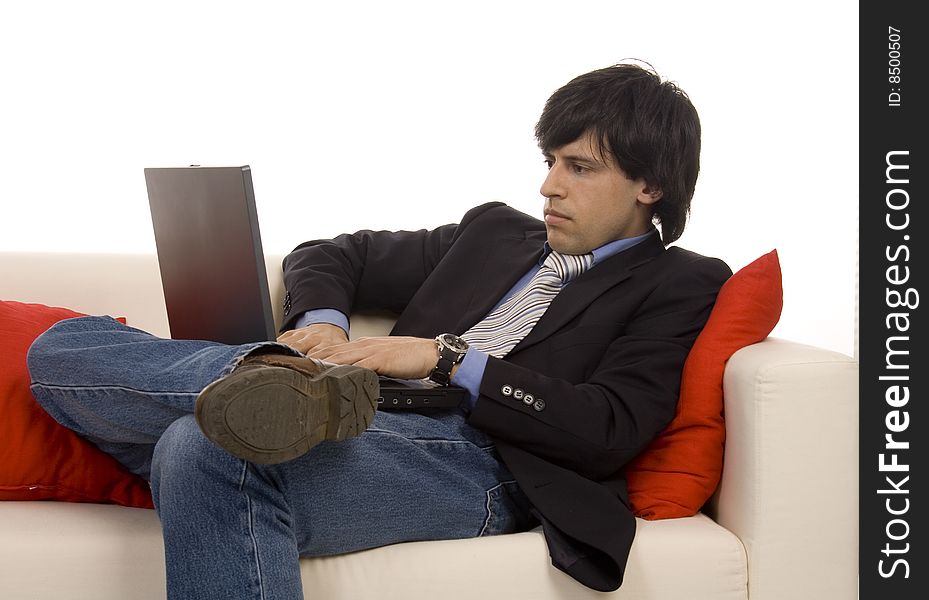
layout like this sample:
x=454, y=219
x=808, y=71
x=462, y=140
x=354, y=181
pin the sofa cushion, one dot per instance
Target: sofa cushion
x=94, y=552
x=679, y=471
x=40, y=459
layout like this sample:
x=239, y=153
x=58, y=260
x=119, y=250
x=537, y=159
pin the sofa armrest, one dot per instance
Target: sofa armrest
x=789, y=488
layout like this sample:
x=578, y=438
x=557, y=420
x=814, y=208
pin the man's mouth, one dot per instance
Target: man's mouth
x=553, y=217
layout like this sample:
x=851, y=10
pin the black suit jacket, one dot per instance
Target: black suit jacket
x=603, y=364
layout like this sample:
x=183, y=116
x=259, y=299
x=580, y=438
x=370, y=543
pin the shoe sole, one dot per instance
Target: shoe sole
x=269, y=415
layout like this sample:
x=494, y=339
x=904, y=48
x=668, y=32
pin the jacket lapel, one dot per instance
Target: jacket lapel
x=503, y=263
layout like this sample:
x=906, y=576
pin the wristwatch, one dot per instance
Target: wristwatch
x=452, y=350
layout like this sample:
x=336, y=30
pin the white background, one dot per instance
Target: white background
x=402, y=115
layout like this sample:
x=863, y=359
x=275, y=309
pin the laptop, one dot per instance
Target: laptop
x=213, y=269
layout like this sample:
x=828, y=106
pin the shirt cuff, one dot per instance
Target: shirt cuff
x=470, y=373
x=323, y=315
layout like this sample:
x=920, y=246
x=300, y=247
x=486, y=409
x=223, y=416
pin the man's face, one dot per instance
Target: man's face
x=589, y=201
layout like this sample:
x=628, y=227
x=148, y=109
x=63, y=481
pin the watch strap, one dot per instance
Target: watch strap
x=448, y=358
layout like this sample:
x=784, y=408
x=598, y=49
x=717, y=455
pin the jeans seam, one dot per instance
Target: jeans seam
x=50, y=386
x=251, y=530
x=425, y=439
x=489, y=506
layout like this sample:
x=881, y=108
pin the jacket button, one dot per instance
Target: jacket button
x=287, y=304
x=539, y=405
x=517, y=394
x=528, y=399
x=506, y=390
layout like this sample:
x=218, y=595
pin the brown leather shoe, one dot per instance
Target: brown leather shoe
x=274, y=407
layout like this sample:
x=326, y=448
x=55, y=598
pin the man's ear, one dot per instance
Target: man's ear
x=649, y=195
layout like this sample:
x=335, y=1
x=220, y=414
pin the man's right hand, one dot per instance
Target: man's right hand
x=313, y=337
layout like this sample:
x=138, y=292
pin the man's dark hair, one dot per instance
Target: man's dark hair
x=648, y=126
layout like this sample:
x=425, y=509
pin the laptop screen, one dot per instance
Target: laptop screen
x=209, y=253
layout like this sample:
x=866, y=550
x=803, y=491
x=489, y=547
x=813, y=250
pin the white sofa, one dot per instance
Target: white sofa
x=782, y=526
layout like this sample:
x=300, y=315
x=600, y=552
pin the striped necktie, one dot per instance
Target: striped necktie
x=511, y=321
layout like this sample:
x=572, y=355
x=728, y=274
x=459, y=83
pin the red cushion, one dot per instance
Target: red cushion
x=40, y=459
x=679, y=471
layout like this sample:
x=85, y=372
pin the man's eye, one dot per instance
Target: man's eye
x=548, y=163
x=579, y=169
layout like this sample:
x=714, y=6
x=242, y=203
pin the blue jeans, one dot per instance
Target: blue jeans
x=233, y=529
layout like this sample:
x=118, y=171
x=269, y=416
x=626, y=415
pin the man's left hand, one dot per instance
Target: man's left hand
x=392, y=356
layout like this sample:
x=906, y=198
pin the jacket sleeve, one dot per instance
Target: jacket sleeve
x=594, y=427
x=365, y=270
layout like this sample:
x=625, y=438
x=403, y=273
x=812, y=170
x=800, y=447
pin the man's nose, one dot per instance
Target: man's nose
x=553, y=185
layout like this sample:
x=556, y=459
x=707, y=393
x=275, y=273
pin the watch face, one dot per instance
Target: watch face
x=454, y=342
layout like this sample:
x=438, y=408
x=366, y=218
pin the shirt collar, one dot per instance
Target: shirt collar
x=606, y=250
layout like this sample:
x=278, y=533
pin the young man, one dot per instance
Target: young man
x=569, y=333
